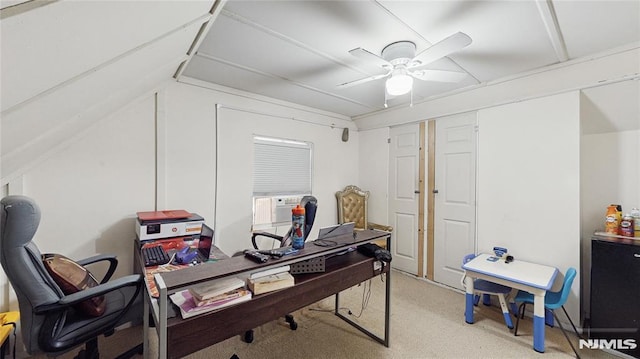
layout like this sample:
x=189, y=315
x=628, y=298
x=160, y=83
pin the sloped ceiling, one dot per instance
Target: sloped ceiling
x=299, y=50
x=67, y=64
x=612, y=108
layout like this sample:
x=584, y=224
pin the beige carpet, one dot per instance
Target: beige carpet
x=427, y=321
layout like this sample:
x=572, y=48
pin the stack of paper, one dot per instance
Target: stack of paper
x=216, y=288
x=271, y=271
x=271, y=282
x=189, y=307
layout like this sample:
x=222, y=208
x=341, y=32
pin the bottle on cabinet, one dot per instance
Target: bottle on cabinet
x=626, y=226
x=611, y=223
x=635, y=213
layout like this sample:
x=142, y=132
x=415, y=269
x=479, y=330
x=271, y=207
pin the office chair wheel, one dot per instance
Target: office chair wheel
x=248, y=336
x=90, y=350
x=292, y=323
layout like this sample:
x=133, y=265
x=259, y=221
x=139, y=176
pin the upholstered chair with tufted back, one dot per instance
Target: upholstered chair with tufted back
x=352, y=207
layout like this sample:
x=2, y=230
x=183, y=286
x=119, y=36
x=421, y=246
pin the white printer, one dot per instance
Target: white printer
x=149, y=229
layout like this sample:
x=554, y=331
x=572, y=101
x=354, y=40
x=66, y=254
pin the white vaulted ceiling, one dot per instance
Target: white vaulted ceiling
x=299, y=50
x=66, y=64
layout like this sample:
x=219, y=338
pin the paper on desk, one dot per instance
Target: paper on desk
x=188, y=307
x=149, y=272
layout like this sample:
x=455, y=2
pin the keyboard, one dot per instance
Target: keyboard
x=154, y=256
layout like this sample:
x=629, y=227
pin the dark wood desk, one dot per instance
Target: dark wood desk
x=179, y=337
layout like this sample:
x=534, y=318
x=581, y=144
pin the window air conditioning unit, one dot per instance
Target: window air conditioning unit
x=281, y=209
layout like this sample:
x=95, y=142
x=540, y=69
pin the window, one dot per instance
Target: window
x=281, y=176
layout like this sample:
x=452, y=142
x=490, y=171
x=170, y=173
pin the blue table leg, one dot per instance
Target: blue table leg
x=468, y=312
x=538, y=334
x=469, y=298
x=538, y=323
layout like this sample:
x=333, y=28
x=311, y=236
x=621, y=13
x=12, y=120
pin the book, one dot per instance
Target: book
x=267, y=272
x=188, y=308
x=219, y=298
x=216, y=288
x=271, y=282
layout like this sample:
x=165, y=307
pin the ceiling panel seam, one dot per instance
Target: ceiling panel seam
x=290, y=40
x=103, y=65
x=77, y=134
x=548, y=14
x=264, y=113
x=23, y=7
x=274, y=76
x=261, y=98
x=501, y=102
x=204, y=29
x=77, y=118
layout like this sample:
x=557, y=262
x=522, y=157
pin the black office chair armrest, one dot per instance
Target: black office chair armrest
x=75, y=298
x=113, y=264
x=265, y=234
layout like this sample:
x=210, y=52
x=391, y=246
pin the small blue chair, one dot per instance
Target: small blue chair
x=487, y=289
x=552, y=301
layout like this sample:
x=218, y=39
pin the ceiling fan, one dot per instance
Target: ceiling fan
x=402, y=64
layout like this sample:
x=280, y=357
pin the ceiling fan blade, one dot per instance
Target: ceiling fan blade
x=451, y=44
x=439, y=75
x=361, y=81
x=370, y=57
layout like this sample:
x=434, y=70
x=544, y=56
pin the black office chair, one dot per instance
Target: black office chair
x=310, y=204
x=50, y=320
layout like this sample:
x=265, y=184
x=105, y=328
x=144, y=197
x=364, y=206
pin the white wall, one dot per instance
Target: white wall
x=90, y=187
x=373, y=167
x=529, y=182
x=89, y=191
x=610, y=173
x=197, y=133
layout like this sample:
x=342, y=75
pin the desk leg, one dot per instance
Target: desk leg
x=468, y=311
x=538, y=323
x=163, y=302
x=145, y=327
x=387, y=308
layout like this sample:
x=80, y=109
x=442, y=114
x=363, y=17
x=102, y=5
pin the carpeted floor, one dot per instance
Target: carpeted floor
x=427, y=321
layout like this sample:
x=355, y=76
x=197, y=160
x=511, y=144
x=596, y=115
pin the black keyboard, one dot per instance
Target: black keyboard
x=154, y=256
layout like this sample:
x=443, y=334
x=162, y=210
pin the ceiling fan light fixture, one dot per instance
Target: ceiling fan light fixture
x=399, y=83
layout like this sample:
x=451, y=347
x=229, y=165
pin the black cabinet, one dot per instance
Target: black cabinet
x=615, y=292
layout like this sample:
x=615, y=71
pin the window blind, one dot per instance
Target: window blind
x=281, y=167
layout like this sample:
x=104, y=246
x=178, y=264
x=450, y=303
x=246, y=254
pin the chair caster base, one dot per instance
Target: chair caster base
x=248, y=336
x=292, y=323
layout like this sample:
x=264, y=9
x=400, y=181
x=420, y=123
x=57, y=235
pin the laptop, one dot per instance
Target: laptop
x=204, y=243
x=338, y=230
x=200, y=254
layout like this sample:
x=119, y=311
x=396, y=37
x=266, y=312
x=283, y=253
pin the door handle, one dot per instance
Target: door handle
x=416, y=191
x=636, y=255
x=435, y=191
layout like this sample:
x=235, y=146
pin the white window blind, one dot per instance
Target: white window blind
x=281, y=166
